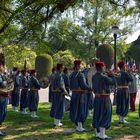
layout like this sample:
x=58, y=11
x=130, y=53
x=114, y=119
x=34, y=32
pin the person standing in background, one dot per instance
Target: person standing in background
x=16, y=92
x=59, y=91
x=51, y=78
x=122, y=96
x=33, y=96
x=24, y=92
x=67, y=86
x=133, y=91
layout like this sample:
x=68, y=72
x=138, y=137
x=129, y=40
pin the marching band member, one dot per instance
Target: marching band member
x=133, y=91
x=24, y=92
x=16, y=92
x=91, y=72
x=33, y=96
x=122, y=97
x=66, y=79
x=51, y=81
x=59, y=90
x=102, y=103
x=67, y=86
x=78, y=105
x=3, y=100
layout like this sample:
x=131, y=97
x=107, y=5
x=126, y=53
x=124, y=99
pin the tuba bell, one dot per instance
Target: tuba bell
x=44, y=82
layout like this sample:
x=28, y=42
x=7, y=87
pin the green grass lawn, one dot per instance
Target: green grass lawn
x=22, y=127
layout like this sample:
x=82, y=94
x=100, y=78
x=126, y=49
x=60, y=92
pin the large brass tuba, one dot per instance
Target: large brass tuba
x=44, y=82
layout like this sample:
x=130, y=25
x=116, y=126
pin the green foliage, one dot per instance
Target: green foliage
x=122, y=48
x=134, y=51
x=40, y=25
x=64, y=57
x=43, y=65
x=105, y=52
x=95, y=27
x=15, y=55
x=43, y=47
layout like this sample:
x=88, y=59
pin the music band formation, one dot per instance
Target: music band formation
x=86, y=90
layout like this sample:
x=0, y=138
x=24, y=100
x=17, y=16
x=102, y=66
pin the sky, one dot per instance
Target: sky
x=133, y=37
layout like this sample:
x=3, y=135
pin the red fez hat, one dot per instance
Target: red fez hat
x=65, y=70
x=15, y=68
x=100, y=64
x=33, y=71
x=121, y=64
x=59, y=66
x=77, y=62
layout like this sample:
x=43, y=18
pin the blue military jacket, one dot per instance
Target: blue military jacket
x=66, y=80
x=78, y=81
x=34, y=83
x=124, y=79
x=24, y=81
x=58, y=82
x=101, y=83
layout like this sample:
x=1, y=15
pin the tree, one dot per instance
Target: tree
x=64, y=57
x=35, y=12
x=134, y=51
x=16, y=55
x=95, y=28
x=66, y=35
x=98, y=20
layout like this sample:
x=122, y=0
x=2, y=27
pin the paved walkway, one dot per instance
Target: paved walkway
x=43, y=96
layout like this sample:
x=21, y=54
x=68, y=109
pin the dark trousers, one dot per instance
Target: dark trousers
x=15, y=97
x=3, y=108
x=132, y=101
x=24, y=99
x=33, y=99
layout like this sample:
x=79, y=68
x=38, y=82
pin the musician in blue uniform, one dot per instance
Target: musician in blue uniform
x=3, y=100
x=51, y=81
x=66, y=79
x=67, y=86
x=16, y=91
x=91, y=72
x=102, y=103
x=90, y=98
x=24, y=92
x=59, y=90
x=80, y=89
x=122, y=97
x=33, y=96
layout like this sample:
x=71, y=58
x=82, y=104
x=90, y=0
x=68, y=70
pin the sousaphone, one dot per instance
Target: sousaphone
x=8, y=86
x=44, y=82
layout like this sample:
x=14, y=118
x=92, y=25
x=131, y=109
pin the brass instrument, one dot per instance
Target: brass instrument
x=44, y=82
x=7, y=87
